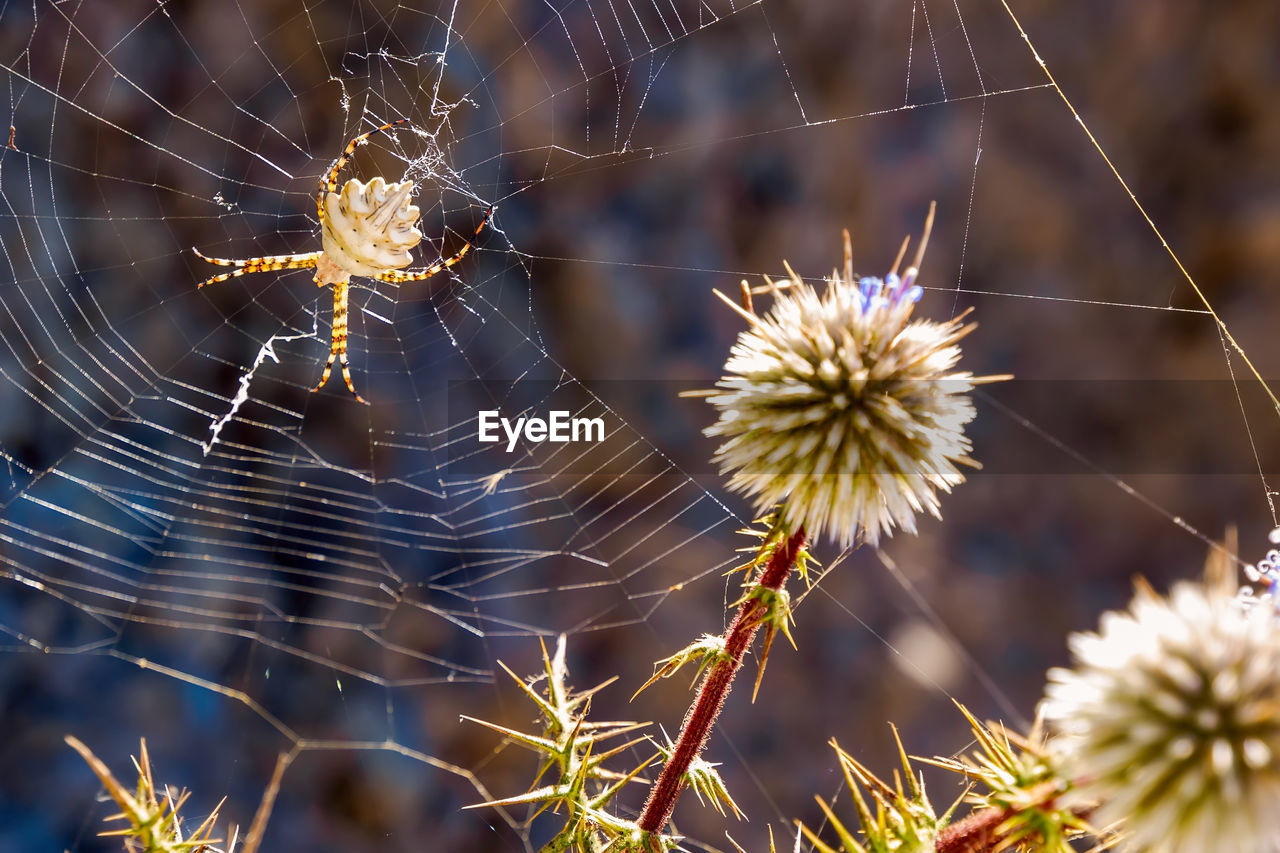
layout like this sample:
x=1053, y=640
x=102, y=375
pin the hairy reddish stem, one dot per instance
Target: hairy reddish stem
x=975, y=833
x=716, y=684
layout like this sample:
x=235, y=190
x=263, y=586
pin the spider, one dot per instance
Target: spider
x=367, y=230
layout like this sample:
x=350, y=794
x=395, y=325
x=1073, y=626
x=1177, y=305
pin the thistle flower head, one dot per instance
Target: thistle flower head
x=1170, y=720
x=843, y=408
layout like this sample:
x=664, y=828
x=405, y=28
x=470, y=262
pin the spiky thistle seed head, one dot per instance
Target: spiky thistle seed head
x=842, y=408
x=1170, y=720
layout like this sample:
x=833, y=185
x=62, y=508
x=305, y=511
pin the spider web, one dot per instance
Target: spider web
x=196, y=549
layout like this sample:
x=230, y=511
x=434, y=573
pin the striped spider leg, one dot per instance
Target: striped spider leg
x=365, y=230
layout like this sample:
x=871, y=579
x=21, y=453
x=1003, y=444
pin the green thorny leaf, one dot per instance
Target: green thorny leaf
x=705, y=781
x=775, y=605
x=705, y=650
x=568, y=746
x=771, y=532
x=903, y=821
x=1022, y=781
x=154, y=824
x=774, y=615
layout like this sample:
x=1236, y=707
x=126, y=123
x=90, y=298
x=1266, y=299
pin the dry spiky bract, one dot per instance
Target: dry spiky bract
x=1170, y=717
x=704, y=651
x=1019, y=804
x=154, y=825
x=569, y=747
x=842, y=408
x=1015, y=790
x=703, y=778
x=903, y=820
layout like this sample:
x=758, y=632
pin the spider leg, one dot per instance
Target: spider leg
x=400, y=276
x=329, y=183
x=338, y=344
x=244, y=266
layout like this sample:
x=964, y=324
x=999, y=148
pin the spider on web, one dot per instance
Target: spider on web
x=367, y=230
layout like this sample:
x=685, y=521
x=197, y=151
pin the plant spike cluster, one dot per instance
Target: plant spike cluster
x=1019, y=805
x=1017, y=791
x=773, y=612
x=773, y=609
x=583, y=787
x=705, y=781
x=704, y=651
x=154, y=825
x=903, y=821
x=771, y=532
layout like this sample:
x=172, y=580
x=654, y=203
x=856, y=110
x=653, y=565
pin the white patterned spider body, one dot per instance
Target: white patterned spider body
x=367, y=230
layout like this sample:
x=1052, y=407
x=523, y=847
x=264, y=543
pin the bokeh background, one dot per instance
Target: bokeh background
x=680, y=164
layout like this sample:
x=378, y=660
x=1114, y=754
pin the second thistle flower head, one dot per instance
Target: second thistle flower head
x=1170, y=719
x=843, y=408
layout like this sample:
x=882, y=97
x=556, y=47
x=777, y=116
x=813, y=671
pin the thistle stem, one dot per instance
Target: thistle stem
x=701, y=718
x=975, y=833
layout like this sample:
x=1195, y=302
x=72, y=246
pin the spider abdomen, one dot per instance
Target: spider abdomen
x=370, y=228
